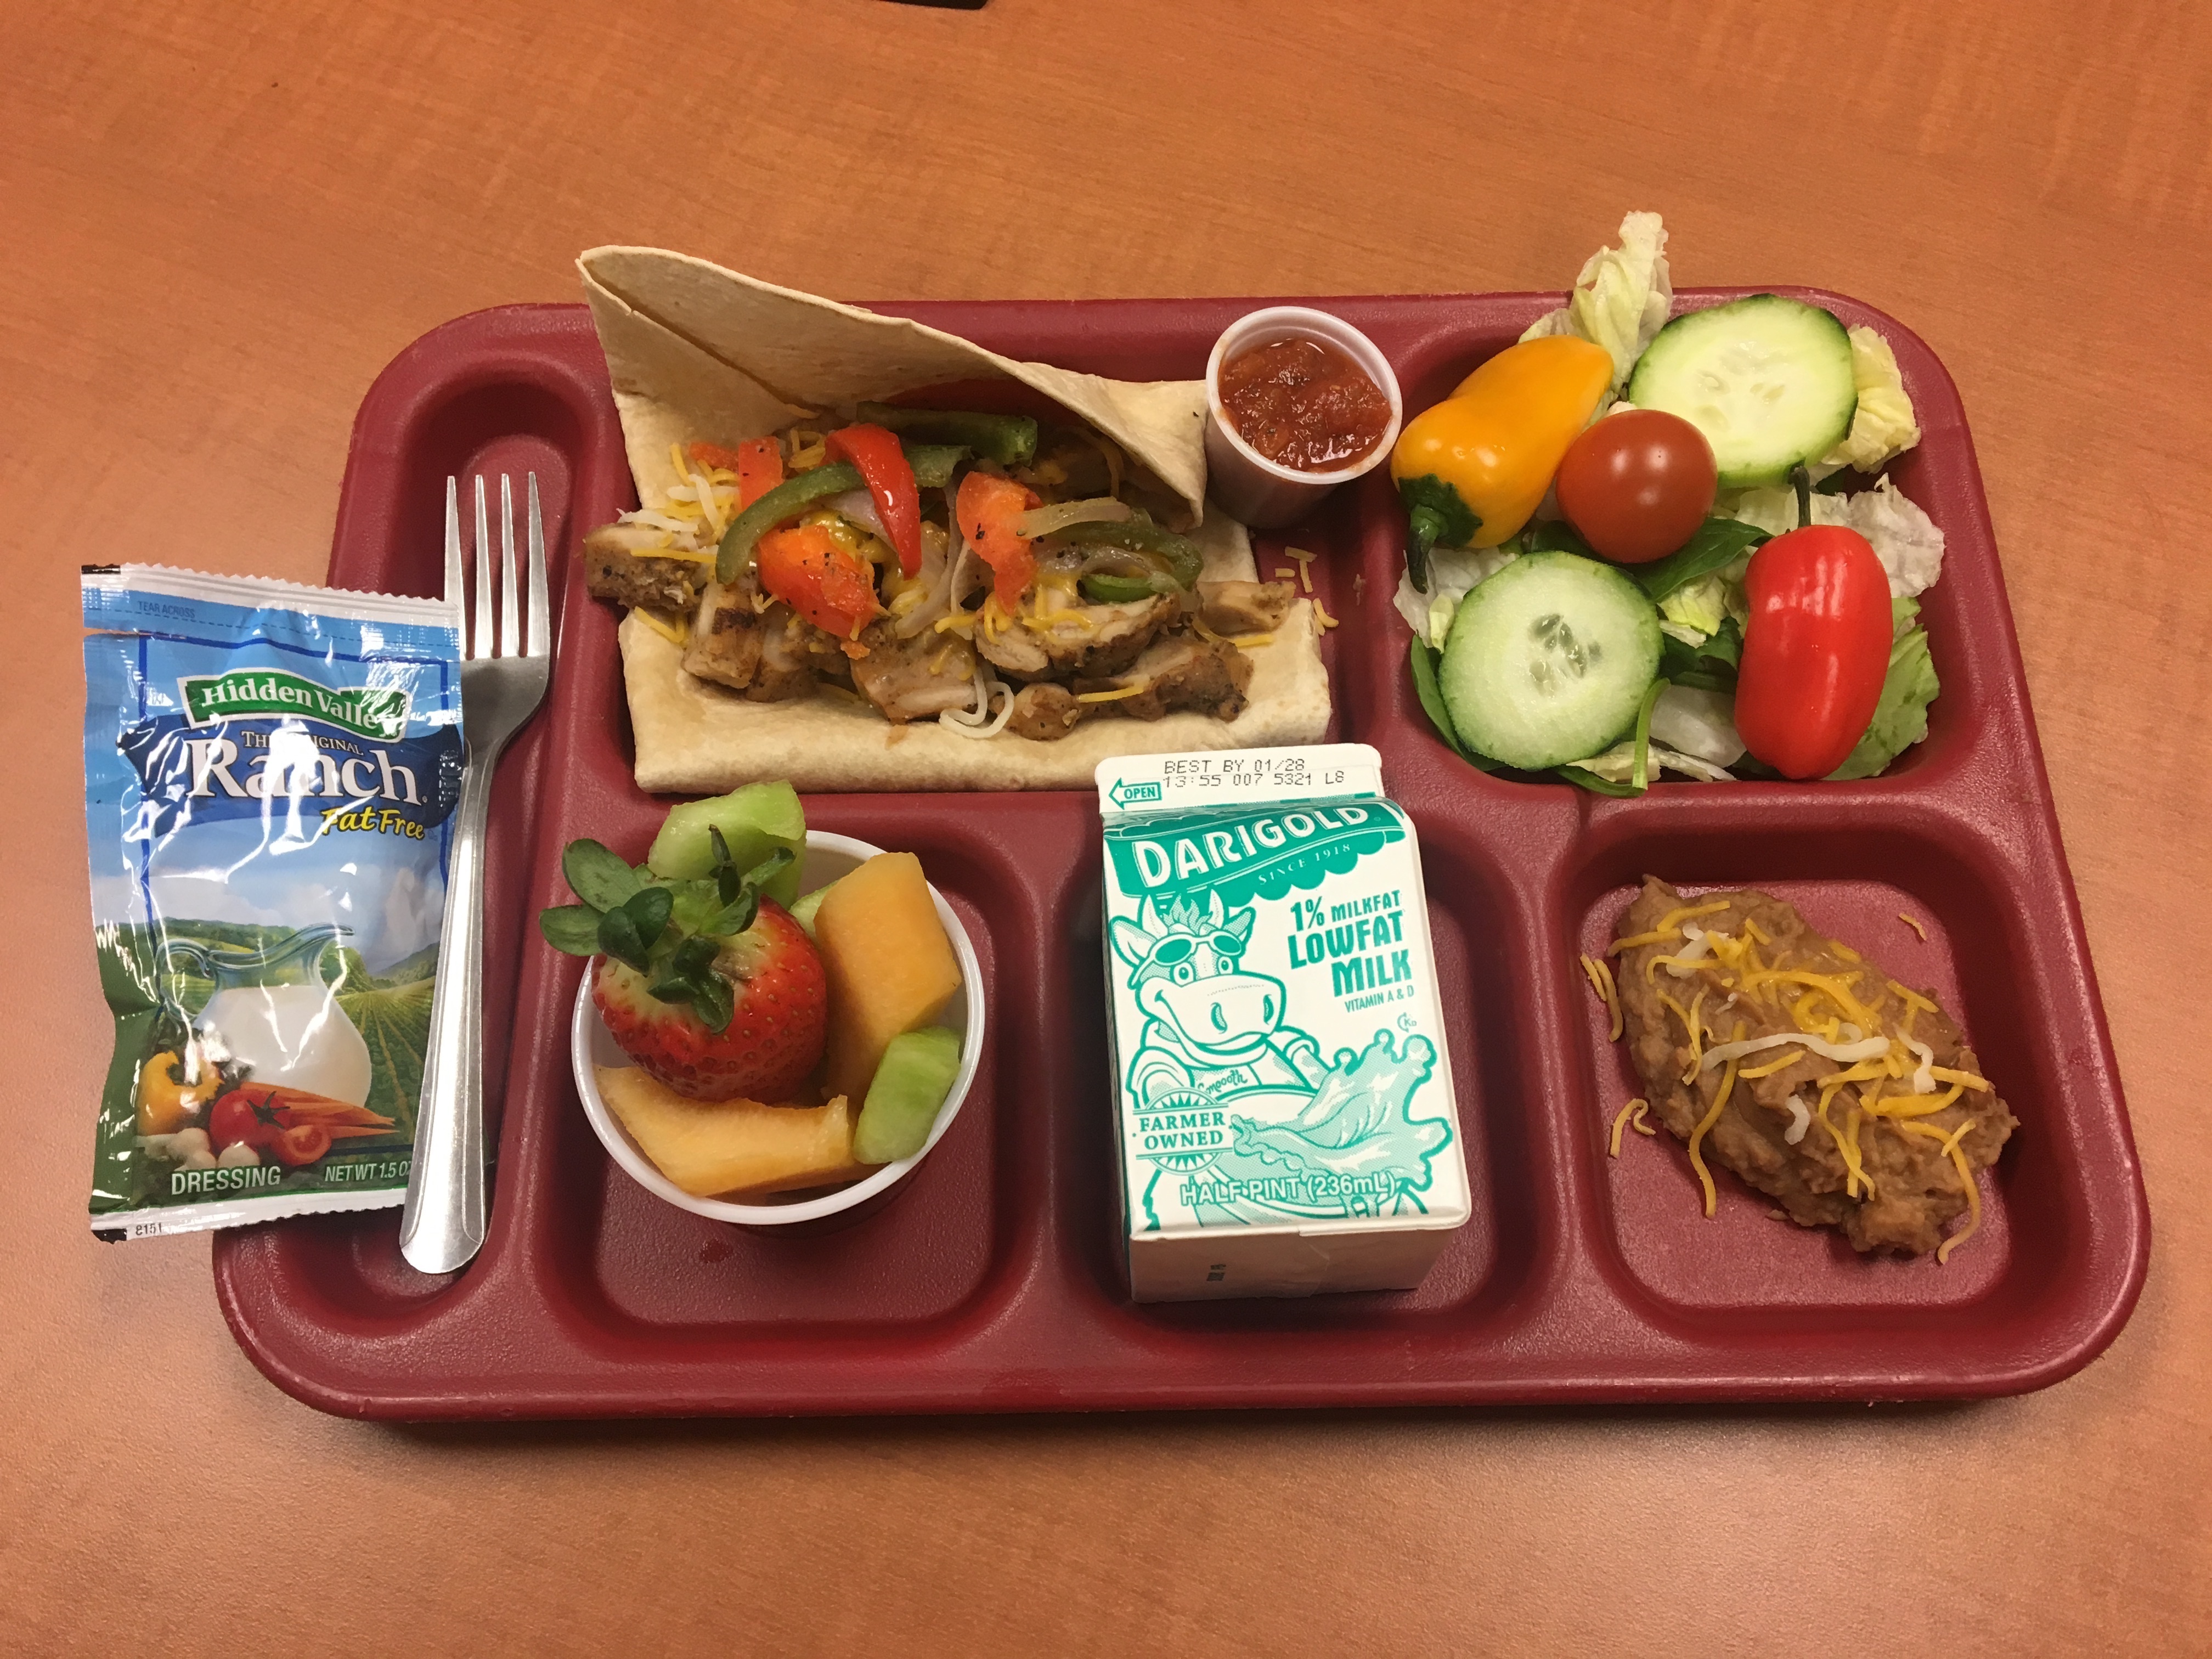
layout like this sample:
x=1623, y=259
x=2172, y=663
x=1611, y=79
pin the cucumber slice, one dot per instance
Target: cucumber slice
x=1548, y=661
x=1768, y=380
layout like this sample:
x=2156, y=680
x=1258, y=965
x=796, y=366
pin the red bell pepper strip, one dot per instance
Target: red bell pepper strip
x=987, y=507
x=758, y=463
x=889, y=477
x=1815, y=649
x=828, y=584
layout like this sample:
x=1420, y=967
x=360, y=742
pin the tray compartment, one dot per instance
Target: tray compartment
x=1491, y=1261
x=1852, y=884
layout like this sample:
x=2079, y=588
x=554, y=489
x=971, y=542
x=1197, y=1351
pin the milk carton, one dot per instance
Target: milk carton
x=1284, y=1097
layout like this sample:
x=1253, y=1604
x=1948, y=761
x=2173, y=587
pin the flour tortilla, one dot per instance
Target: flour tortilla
x=697, y=353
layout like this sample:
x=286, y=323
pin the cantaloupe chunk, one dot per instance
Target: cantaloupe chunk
x=891, y=968
x=734, y=1148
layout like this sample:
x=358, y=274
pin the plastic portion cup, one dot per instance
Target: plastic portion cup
x=1251, y=488
x=828, y=857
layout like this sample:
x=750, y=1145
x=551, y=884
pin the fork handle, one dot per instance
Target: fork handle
x=443, y=1225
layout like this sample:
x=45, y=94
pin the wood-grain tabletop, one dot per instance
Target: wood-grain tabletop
x=220, y=221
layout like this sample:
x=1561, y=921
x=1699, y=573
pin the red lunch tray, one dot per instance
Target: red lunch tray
x=994, y=1279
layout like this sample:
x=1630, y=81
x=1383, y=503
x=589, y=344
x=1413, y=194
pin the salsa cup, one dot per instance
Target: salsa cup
x=1264, y=494
x=828, y=858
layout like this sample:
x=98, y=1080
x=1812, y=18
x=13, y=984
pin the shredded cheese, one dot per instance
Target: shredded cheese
x=1913, y=922
x=1601, y=979
x=1799, y=1119
x=1115, y=695
x=1913, y=999
x=1697, y=1038
x=1771, y=1067
x=1966, y=1182
x=1846, y=1053
x=1704, y=1123
x=1965, y=1079
x=1305, y=570
x=1320, y=611
x=1637, y=1107
x=674, y=634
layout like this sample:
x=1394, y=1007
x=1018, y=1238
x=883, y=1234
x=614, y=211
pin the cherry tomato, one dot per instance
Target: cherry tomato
x=239, y=1117
x=303, y=1143
x=1815, y=649
x=1637, y=484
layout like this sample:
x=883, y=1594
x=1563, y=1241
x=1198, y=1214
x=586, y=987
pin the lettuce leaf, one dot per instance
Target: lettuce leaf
x=1900, y=719
x=1884, y=427
x=1621, y=299
x=1905, y=538
x=1452, y=572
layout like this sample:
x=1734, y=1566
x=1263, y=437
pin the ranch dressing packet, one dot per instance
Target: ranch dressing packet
x=1285, y=1098
x=269, y=773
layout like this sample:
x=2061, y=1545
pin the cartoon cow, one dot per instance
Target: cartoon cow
x=1209, y=1025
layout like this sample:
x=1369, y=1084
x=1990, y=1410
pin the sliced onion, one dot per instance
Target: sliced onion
x=936, y=572
x=1043, y=520
x=1849, y=1054
x=858, y=506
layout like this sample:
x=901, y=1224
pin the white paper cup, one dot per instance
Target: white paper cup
x=828, y=857
x=1251, y=488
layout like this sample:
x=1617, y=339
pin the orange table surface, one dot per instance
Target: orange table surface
x=220, y=221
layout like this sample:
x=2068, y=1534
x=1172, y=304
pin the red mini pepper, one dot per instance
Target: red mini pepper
x=1815, y=649
x=830, y=586
x=758, y=463
x=889, y=477
x=987, y=506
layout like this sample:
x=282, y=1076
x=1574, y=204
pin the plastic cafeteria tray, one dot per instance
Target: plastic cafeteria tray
x=994, y=1279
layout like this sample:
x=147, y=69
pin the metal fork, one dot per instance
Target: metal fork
x=501, y=685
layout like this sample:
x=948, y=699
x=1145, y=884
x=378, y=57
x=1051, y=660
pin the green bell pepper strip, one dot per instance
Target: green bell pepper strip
x=932, y=465
x=1179, y=554
x=1009, y=440
x=1104, y=588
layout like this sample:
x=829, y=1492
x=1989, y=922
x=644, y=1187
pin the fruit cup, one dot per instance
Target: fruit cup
x=828, y=858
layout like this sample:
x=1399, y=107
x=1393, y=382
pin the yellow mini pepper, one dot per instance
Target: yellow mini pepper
x=1473, y=468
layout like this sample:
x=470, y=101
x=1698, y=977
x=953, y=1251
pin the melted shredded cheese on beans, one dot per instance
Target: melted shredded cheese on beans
x=1884, y=1075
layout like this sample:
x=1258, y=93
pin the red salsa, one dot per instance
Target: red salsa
x=1303, y=405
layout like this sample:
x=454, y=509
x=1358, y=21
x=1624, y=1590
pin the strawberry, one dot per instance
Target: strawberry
x=773, y=1038
x=710, y=987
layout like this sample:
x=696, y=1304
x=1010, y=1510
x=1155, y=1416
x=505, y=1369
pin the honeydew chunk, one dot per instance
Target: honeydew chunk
x=755, y=821
x=891, y=969
x=908, y=1092
x=731, y=1148
x=804, y=907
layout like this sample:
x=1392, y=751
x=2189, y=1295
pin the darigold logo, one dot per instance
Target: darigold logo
x=366, y=711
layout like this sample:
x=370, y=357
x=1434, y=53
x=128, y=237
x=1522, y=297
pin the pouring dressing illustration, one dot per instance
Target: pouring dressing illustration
x=272, y=1011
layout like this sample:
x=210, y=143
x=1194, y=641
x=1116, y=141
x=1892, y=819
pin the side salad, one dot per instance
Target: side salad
x=1638, y=546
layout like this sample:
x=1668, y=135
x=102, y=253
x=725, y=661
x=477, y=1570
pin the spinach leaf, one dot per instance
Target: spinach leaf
x=1718, y=541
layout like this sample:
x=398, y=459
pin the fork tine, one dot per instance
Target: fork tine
x=456, y=594
x=541, y=627
x=510, y=601
x=480, y=642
